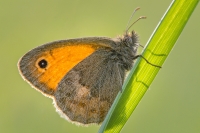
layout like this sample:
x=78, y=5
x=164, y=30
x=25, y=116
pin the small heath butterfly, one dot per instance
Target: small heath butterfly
x=83, y=75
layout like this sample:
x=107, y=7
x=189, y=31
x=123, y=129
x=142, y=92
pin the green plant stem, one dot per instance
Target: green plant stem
x=142, y=74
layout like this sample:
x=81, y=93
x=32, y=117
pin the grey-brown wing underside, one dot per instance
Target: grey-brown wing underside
x=87, y=92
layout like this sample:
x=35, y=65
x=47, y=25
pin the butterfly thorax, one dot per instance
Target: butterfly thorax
x=126, y=49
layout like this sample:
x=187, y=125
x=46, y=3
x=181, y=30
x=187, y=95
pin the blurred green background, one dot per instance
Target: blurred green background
x=171, y=105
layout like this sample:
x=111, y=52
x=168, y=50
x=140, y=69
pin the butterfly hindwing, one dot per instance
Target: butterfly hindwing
x=87, y=91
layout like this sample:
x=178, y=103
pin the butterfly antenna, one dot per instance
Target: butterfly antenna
x=142, y=17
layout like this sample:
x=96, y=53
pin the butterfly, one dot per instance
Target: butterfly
x=82, y=75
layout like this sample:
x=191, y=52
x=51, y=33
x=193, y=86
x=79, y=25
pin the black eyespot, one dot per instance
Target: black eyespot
x=43, y=63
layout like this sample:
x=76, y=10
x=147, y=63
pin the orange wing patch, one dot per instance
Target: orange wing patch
x=59, y=61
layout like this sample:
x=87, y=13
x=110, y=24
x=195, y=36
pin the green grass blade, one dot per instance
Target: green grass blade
x=142, y=74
